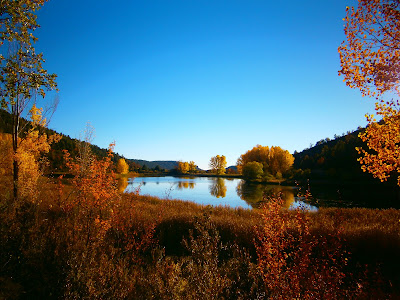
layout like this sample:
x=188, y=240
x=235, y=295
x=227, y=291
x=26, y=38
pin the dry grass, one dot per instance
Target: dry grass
x=170, y=249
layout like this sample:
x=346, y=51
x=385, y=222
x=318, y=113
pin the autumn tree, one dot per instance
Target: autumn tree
x=192, y=167
x=122, y=166
x=22, y=76
x=370, y=62
x=274, y=160
x=182, y=167
x=218, y=164
x=29, y=155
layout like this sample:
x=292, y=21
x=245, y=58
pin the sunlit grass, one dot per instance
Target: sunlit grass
x=149, y=247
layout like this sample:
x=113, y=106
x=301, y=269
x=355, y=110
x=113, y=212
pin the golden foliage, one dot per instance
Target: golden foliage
x=183, y=167
x=274, y=159
x=383, y=138
x=370, y=60
x=370, y=57
x=28, y=155
x=6, y=156
x=192, y=167
x=122, y=166
x=218, y=164
x=36, y=116
x=95, y=184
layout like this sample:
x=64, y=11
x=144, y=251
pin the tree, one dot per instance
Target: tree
x=383, y=139
x=370, y=61
x=218, y=164
x=183, y=167
x=370, y=57
x=252, y=170
x=28, y=155
x=274, y=159
x=192, y=167
x=122, y=166
x=22, y=76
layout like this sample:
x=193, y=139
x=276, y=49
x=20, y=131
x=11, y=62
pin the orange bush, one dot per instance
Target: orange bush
x=293, y=262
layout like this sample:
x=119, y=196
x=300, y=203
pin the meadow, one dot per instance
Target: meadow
x=68, y=243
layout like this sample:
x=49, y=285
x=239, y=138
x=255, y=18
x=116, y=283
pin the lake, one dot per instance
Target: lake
x=214, y=191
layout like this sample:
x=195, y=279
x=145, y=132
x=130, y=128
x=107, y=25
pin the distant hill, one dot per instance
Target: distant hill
x=163, y=164
x=55, y=155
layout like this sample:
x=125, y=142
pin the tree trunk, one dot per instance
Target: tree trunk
x=15, y=148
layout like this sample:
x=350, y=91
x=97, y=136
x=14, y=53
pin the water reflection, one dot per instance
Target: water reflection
x=122, y=184
x=255, y=194
x=218, y=188
x=206, y=190
x=185, y=185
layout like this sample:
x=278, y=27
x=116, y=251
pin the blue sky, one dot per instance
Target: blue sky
x=187, y=80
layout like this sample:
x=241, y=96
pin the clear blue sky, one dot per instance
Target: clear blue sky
x=187, y=80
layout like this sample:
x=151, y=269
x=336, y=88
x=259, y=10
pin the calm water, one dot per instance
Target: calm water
x=212, y=191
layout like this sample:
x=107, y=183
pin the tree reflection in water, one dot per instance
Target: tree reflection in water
x=122, y=184
x=185, y=185
x=218, y=188
x=254, y=194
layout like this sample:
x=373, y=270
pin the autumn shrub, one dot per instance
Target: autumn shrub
x=105, y=243
x=210, y=268
x=296, y=264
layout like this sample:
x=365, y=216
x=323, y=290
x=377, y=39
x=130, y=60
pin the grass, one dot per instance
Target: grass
x=143, y=247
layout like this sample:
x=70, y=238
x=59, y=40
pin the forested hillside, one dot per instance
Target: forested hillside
x=336, y=161
x=333, y=159
x=56, y=158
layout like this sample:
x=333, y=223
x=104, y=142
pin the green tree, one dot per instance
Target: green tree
x=252, y=170
x=22, y=76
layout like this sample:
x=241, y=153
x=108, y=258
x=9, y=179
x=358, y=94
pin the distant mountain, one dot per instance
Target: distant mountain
x=163, y=164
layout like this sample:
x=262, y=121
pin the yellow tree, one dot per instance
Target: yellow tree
x=183, y=167
x=218, y=164
x=258, y=153
x=275, y=160
x=28, y=155
x=370, y=61
x=192, y=167
x=122, y=166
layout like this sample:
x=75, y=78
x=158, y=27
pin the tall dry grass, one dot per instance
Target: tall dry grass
x=141, y=247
